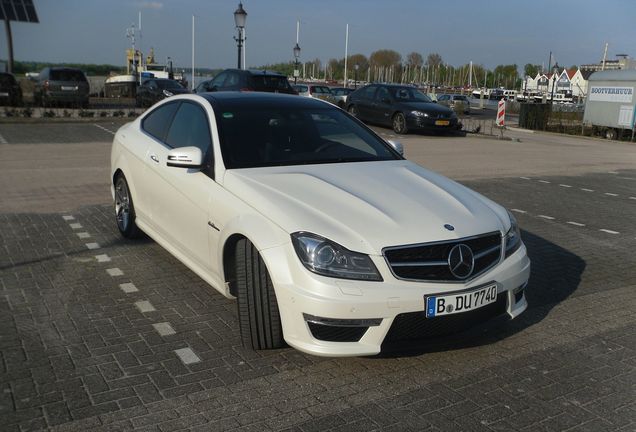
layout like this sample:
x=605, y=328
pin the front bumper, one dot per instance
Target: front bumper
x=305, y=299
x=429, y=123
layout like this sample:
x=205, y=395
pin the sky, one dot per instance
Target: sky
x=487, y=32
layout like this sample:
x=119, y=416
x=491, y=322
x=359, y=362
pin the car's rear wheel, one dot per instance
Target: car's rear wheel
x=259, y=318
x=399, y=123
x=353, y=110
x=125, y=209
x=610, y=134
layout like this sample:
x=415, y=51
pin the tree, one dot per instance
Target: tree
x=531, y=70
x=385, y=57
x=433, y=59
x=414, y=59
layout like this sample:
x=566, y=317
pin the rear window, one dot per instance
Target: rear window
x=7, y=80
x=270, y=82
x=67, y=75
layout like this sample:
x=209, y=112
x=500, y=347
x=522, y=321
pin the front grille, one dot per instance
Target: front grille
x=415, y=325
x=332, y=333
x=429, y=261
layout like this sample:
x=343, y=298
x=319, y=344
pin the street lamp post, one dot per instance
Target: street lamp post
x=239, y=20
x=355, y=68
x=296, y=55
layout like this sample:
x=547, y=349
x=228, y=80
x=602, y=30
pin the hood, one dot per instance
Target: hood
x=428, y=107
x=366, y=206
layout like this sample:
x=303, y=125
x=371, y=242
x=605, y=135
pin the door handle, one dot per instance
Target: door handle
x=154, y=158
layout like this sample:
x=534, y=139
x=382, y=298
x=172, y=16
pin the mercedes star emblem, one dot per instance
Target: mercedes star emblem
x=461, y=261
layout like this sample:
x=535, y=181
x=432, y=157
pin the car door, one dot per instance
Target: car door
x=365, y=101
x=142, y=149
x=181, y=197
x=382, y=106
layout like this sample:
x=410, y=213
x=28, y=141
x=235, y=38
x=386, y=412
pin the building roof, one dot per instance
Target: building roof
x=571, y=73
x=614, y=75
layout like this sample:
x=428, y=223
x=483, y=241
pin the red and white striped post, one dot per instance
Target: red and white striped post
x=501, y=113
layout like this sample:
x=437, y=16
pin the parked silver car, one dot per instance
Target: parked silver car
x=457, y=102
x=316, y=91
x=340, y=94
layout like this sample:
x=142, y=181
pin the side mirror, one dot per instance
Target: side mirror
x=397, y=146
x=185, y=157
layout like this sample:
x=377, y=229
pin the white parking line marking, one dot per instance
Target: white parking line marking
x=104, y=129
x=3, y=140
x=546, y=217
x=525, y=178
x=76, y=226
x=92, y=245
x=609, y=231
x=576, y=224
x=145, y=306
x=634, y=198
x=128, y=287
x=612, y=172
x=518, y=211
x=164, y=329
x=565, y=186
x=114, y=272
x=187, y=356
x=68, y=218
x=587, y=190
x=543, y=181
x=610, y=194
x=102, y=258
x=83, y=235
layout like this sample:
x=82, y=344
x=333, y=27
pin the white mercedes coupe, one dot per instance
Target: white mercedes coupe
x=329, y=239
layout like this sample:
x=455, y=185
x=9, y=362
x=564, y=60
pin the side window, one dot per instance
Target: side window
x=156, y=123
x=218, y=80
x=190, y=128
x=382, y=94
x=368, y=92
x=442, y=98
x=232, y=79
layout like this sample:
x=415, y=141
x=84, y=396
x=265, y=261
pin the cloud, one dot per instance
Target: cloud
x=149, y=5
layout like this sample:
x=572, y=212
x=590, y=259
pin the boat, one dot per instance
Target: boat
x=125, y=85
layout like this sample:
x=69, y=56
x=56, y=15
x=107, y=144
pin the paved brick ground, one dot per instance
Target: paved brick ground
x=85, y=340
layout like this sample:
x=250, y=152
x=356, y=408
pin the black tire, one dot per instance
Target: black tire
x=353, y=110
x=399, y=123
x=259, y=318
x=125, y=209
x=610, y=134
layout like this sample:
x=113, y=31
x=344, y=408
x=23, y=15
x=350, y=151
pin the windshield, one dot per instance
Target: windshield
x=408, y=94
x=168, y=84
x=273, y=136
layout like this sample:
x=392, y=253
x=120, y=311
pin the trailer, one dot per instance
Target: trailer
x=610, y=102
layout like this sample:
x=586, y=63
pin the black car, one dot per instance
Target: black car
x=10, y=91
x=61, y=85
x=404, y=108
x=247, y=80
x=154, y=89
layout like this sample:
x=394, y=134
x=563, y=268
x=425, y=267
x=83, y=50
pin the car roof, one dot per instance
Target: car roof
x=256, y=72
x=229, y=99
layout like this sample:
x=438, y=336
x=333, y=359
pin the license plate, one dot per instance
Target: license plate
x=440, y=305
x=67, y=88
x=442, y=122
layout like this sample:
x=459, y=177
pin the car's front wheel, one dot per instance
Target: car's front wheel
x=125, y=209
x=399, y=124
x=259, y=318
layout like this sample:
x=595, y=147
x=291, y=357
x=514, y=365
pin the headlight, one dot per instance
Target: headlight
x=513, y=236
x=419, y=114
x=327, y=258
x=168, y=93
